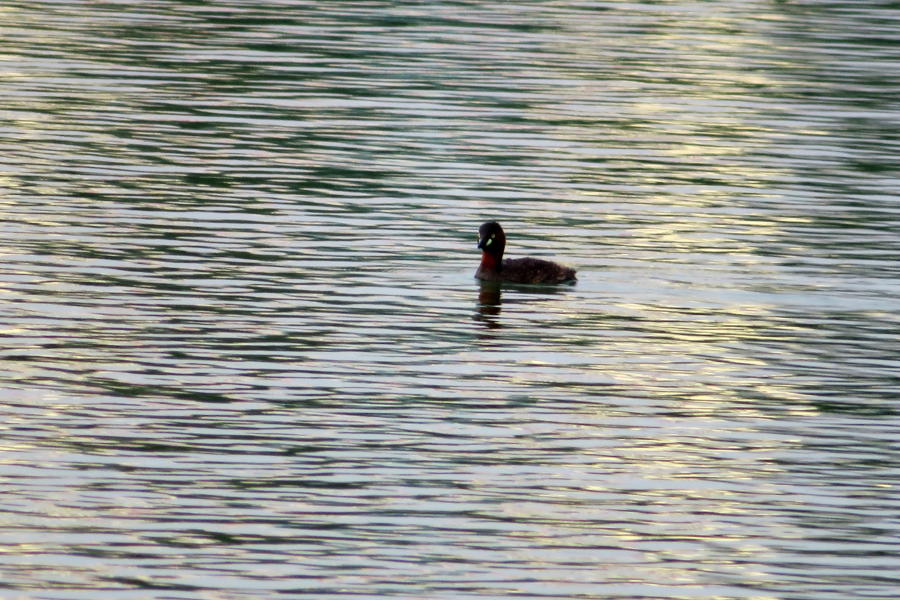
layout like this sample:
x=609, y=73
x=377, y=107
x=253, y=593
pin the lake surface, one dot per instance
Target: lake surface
x=244, y=356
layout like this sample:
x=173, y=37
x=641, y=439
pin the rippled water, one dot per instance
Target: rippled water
x=244, y=355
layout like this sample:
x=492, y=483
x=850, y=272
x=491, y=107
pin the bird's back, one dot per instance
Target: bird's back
x=535, y=270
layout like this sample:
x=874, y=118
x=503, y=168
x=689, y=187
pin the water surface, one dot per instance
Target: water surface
x=244, y=355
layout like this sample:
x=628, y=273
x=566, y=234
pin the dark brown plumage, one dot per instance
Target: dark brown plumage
x=492, y=242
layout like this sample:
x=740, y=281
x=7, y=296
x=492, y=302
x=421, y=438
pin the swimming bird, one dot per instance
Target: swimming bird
x=492, y=242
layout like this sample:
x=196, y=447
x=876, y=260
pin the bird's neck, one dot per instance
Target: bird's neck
x=491, y=262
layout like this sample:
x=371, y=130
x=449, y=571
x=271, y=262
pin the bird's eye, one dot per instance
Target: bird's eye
x=493, y=235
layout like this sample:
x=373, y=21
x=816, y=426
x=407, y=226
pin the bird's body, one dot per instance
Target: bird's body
x=492, y=241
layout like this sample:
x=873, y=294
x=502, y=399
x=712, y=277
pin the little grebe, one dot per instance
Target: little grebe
x=492, y=242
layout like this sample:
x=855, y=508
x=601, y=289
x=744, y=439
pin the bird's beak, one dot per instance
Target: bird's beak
x=481, y=243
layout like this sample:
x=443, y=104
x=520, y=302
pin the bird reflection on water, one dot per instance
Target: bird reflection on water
x=489, y=299
x=489, y=304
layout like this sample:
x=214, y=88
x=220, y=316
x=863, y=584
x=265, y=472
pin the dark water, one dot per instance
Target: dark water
x=243, y=354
